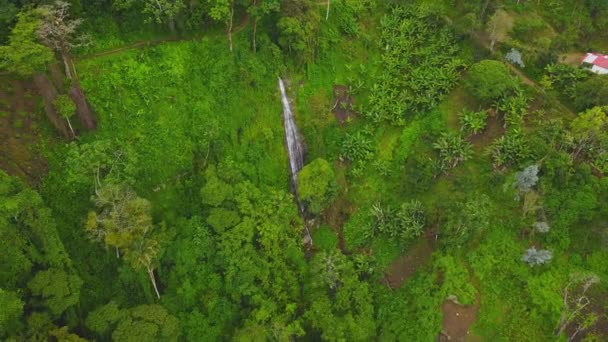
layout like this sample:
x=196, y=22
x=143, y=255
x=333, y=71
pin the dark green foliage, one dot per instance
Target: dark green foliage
x=490, y=80
x=590, y=93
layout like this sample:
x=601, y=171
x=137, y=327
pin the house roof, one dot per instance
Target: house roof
x=596, y=59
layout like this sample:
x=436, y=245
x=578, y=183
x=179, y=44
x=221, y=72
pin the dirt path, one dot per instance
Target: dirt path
x=456, y=321
x=153, y=42
x=417, y=256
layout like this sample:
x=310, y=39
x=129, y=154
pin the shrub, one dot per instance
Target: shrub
x=325, y=238
x=489, y=80
x=317, y=185
x=473, y=122
x=453, y=149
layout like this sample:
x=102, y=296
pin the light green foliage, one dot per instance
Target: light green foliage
x=215, y=190
x=357, y=146
x=356, y=229
x=325, y=238
x=590, y=133
x=419, y=65
x=456, y=280
x=509, y=150
x=513, y=107
x=453, y=150
x=473, y=122
x=490, y=80
x=221, y=219
x=299, y=28
x=466, y=219
x=317, y=185
x=24, y=55
x=402, y=224
x=65, y=106
x=341, y=308
x=58, y=289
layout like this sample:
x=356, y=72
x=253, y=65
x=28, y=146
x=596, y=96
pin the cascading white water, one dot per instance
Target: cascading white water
x=294, y=146
x=295, y=151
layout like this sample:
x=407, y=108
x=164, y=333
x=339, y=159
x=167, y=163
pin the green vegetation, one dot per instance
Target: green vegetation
x=454, y=178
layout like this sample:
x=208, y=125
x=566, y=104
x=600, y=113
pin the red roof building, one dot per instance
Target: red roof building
x=598, y=62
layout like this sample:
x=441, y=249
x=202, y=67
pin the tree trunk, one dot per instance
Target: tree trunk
x=327, y=12
x=48, y=92
x=230, y=24
x=57, y=75
x=85, y=113
x=71, y=128
x=255, y=29
x=66, y=64
x=151, y=274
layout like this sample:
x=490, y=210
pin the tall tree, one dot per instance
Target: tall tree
x=123, y=221
x=258, y=10
x=161, y=11
x=60, y=32
x=223, y=11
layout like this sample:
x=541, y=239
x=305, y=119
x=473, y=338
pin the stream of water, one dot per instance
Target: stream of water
x=295, y=153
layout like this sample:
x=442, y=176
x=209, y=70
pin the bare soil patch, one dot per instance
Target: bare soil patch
x=456, y=321
x=571, y=58
x=343, y=104
x=417, y=256
x=19, y=131
x=494, y=129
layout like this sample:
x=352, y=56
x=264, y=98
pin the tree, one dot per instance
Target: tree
x=317, y=185
x=258, y=10
x=60, y=33
x=525, y=180
x=535, y=257
x=591, y=93
x=161, y=11
x=298, y=28
x=66, y=109
x=123, y=221
x=223, y=11
x=575, y=302
x=453, y=149
x=489, y=80
x=514, y=57
x=58, y=289
x=11, y=309
x=590, y=134
x=23, y=55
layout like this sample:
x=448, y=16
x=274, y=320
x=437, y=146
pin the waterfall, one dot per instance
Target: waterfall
x=295, y=152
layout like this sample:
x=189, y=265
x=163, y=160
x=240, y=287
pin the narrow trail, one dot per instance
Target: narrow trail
x=153, y=42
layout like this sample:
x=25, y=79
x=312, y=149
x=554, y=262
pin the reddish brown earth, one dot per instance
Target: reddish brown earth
x=19, y=131
x=343, y=104
x=417, y=256
x=456, y=321
x=494, y=129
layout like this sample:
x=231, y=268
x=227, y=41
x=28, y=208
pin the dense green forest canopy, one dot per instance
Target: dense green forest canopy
x=454, y=183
